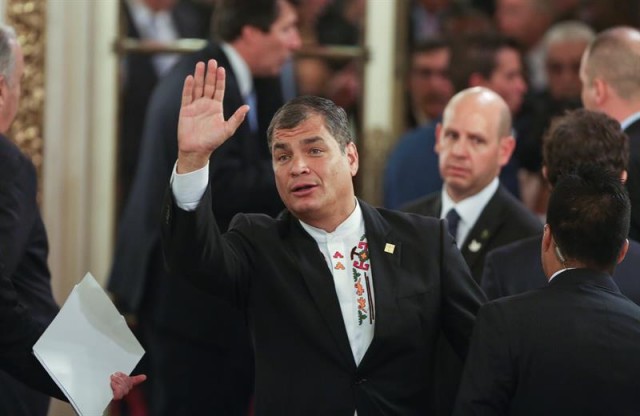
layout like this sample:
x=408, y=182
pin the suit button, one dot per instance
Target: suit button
x=360, y=381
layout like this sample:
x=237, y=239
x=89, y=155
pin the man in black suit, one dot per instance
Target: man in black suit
x=611, y=84
x=473, y=143
x=149, y=20
x=187, y=333
x=23, y=239
x=572, y=347
x=581, y=138
x=26, y=302
x=344, y=300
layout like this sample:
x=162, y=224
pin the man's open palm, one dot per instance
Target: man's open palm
x=202, y=127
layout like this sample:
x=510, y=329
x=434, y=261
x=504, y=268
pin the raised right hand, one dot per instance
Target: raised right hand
x=202, y=127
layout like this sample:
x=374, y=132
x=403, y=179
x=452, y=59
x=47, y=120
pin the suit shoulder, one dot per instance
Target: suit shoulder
x=516, y=211
x=407, y=222
x=424, y=205
x=527, y=246
x=11, y=159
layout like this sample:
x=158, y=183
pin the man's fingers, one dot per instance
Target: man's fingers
x=198, y=80
x=210, y=79
x=187, y=91
x=220, y=84
x=238, y=117
x=121, y=384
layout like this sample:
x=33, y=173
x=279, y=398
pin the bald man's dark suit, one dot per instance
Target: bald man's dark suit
x=633, y=178
x=503, y=220
x=23, y=260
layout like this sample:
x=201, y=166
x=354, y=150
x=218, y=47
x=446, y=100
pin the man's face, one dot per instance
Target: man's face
x=313, y=176
x=470, y=150
x=563, y=69
x=10, y=91
x=429, y=83
x=507, y=79
x=588, y=91
x=276, y=46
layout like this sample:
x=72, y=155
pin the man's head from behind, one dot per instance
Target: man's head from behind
x=314, y=160
x=491, y=61
x=473, y=141
x=11, y=69
x=429, y=85
x=610, y=72
x=587, y=222
x=584, y=138
x=264, y=32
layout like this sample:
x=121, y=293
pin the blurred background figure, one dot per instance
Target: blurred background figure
x=428, y=85
x=427, y=18
x=563, y=46
x=198, y=348
x=526, y=21
x=160, y=21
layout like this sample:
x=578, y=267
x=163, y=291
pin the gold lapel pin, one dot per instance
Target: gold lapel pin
x=389, y=248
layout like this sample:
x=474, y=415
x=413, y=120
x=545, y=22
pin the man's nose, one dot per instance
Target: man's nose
x=299, y=166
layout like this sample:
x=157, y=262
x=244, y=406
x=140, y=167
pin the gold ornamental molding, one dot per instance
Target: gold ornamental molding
x=28, y=17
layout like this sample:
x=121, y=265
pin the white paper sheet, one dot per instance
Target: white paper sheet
x=87, y=342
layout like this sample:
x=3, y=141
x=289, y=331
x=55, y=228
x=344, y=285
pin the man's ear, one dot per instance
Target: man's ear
x=547, y=239
x=624, y=176
x=4, y=90
x=623, y=251
x=436, y=147
x=507, y=146
x=602, y=91
x=352, y=156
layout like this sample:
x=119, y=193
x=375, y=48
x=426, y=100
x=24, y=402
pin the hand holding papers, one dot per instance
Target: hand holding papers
x=86, y=343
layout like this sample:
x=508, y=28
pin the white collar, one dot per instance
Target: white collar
x=240, y=69
x=560, y=271
x=469, y=208
x=629, y=120
x=353, y=224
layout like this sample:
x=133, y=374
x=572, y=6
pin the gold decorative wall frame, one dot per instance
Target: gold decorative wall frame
x=28, y=17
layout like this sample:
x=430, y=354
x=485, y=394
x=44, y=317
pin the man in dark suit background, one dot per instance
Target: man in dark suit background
x=344, y=300
x=190, y=335
x=26, y=302
x=581, y=138
x=572, y=347
x=611, y=84
x=153, y=21
x=473, y=142
x=23, y=239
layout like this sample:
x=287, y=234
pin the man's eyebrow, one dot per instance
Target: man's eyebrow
x=313, y=139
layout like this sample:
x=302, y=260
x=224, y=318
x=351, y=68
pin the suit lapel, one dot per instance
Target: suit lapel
x=385, y=251
x=319, y=281
x=477, y=241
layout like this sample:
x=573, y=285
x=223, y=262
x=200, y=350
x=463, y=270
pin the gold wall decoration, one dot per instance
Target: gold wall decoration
x=28, y=17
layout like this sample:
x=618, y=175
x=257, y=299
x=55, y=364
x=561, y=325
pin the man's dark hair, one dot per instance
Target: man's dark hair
x=589, y=213
x=430, y=45
x=301, y=108
x=476, y=53
x=231, y=16
x=583, y=137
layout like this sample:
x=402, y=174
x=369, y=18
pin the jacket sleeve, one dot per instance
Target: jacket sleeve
x=219, y=264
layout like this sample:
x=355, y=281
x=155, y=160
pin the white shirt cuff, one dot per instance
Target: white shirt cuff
x=188, y=188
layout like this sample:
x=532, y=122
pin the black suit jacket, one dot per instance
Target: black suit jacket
x=503, y=220
x=273, y=269
x=517, y=268
x=570, y=348
x=633, y=178
x=26, y=301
